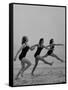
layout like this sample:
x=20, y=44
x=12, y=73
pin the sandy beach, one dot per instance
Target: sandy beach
x=42, y=75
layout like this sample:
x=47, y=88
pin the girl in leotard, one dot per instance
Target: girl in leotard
x=51, y=49
x=37, y=56
x=24, y=49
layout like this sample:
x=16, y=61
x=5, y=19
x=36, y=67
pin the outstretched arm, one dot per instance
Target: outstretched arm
x=54, y=45
x=33, y=47
x=58, y=44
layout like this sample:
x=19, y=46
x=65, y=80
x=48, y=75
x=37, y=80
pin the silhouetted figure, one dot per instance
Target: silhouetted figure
x=22, y=57
x=51, y=49
x=37, y=56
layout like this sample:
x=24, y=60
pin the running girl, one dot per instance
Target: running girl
x=37, y=56
x=24, y=49
x=51, y=49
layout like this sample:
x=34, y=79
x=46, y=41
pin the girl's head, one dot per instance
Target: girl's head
x=41, y=41
x=51, y=41
x=24, y=39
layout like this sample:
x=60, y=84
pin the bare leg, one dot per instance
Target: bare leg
x=36, y=63
x=23, y=67
x=25, y=61
x=45, y=56
x=20, y=71
x=18, y=74
x=28, y=65
x=42, y=59
x=53, y=55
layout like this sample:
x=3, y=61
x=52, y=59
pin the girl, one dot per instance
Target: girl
x=24, y=49
x=37, y=56
x=51, y=49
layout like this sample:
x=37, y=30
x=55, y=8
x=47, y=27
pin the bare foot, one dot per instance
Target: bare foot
x=62, y=61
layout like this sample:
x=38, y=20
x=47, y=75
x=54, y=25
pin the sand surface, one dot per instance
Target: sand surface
x=43, y=75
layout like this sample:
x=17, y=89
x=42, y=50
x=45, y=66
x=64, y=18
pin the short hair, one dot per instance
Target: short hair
x=41, y=39
x=24, y=39
x=51, y=41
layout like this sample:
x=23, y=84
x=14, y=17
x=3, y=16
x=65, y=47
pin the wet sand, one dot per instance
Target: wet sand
x=43, y=75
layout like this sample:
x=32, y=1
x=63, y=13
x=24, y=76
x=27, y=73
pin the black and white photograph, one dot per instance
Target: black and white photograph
x=39, y=44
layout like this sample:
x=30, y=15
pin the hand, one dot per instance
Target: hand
x=32, y=48
x=46, y=48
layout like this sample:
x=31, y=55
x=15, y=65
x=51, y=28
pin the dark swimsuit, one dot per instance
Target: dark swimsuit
x=24, y=52
x=39, y=49
x=51, y=50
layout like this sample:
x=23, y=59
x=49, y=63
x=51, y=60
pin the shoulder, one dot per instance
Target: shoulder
x=23, y=46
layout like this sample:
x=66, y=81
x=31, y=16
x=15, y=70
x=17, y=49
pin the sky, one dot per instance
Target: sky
x=37, y=22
